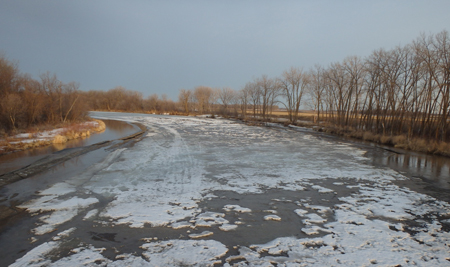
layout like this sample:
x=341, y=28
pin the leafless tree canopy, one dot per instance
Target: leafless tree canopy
x=403, y=91
x=26, y=102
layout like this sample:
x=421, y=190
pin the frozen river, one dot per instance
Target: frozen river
x=213, y=192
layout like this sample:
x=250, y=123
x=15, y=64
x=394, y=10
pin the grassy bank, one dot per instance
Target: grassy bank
x=398, y=141
x=59, y=134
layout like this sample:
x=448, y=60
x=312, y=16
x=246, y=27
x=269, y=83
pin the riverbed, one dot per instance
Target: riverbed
x=199, y=192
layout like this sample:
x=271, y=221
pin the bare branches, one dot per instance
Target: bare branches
x=293, y=85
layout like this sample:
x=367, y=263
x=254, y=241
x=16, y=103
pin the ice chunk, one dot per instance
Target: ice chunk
x=180, y=225
x=301, y=212
x=202, y=234
x=313, y=218
x=91, y=214
x=322, y=189
x=272, y=218
x=184, y=253
x=236, y=208
x=228, y=227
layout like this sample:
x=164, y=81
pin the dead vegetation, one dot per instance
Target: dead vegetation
x=398, y=141
x=68, y=132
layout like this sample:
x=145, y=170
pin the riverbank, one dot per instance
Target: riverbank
x=421, y=145
x=398, y=141
x=35, y=138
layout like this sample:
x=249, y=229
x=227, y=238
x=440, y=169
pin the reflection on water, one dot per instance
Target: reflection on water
x=16, y=160
x=433, y=169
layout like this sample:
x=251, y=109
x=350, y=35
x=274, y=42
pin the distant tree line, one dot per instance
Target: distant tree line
x=403, y=91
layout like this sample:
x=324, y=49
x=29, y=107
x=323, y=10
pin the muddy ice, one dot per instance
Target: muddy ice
x=207, y=192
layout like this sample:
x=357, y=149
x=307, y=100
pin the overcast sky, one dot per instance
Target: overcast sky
x=163, y=46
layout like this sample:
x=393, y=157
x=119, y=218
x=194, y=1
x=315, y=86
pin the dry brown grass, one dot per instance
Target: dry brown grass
x=398, y=141
x=307, y=113
x=71, y=131
x=78, y=130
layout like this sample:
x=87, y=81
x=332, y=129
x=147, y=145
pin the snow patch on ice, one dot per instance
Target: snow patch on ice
x=184, y=252
x=208, y=219
x=322, y=189
x=236, y=208
x=272, y=218
x=91, y=214
x=181, y=225
x=58, y=189
x=200, y=235
x=320, y=209
x=313, y=218
x=62, y=210
x=228, y=227
x=301, y=212
x=36, y=256
x=65, y=233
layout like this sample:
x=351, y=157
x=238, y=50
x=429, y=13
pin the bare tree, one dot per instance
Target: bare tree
x=268, y=90
x=184, y=97
x=12, y=107
x=203, y=96
x=243, y=97
x=316, y=89
x=226, y=96
x=293, y=84
x=254, y=93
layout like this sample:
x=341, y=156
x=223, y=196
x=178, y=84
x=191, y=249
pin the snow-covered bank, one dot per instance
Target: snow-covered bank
x=55, y=136
x=210, y=191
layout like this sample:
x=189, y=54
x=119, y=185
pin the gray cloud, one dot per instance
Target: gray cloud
x=163, y=46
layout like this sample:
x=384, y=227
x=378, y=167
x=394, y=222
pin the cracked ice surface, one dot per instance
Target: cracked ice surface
x=161, y=181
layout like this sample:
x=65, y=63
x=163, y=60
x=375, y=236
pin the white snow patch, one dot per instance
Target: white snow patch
x=236, y=208
x=65, y=233
x=63, y=210
x=84, y=256
x=301, y=212
x=184, y=252
x=180, y=225
x=91, y=214
x=48, y=203
x=200, y=235
x=228, y=227
x=272, y=218
x=36, y=256
x=314, y=230
x=58, y=189
x=320, y=209
x=208, y=219
x=322, y=189
x=313, y=218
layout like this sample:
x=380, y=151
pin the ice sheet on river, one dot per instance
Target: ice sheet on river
x=162, y=180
